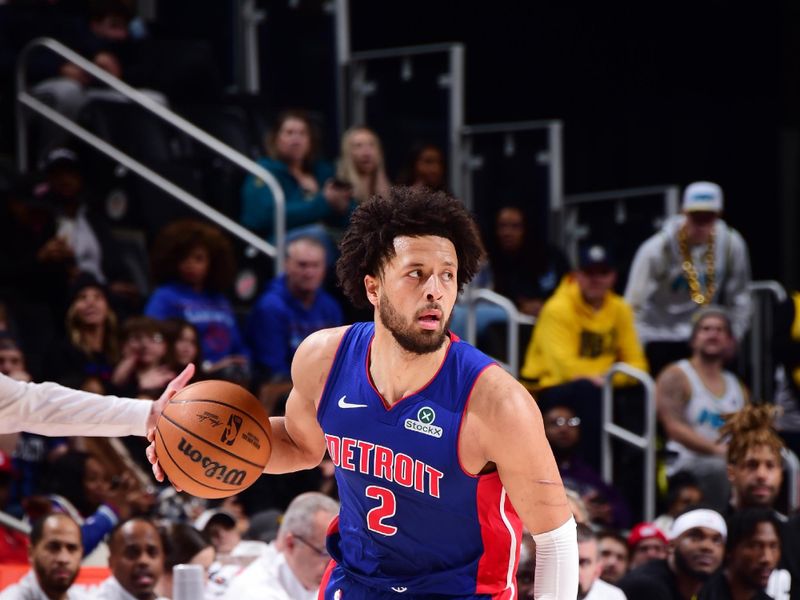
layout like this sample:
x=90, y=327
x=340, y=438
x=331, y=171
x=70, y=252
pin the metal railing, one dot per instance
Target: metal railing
x=514, y=319
x=571, y=231
x=761, y=330
x=553, y=156
x=355, y=64
x=792, y=465
x=646, y=443
x=25, y=99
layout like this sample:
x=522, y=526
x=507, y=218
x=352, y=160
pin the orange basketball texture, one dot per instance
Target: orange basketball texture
x=213, y=439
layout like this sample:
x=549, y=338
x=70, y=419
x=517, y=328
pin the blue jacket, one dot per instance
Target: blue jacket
x=279, y=322
x=211, y=313
x=258, y=203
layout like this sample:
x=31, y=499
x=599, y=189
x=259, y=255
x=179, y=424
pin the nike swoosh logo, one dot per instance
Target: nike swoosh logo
x=344, y=404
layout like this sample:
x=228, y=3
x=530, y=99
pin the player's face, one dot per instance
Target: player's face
x=755, y=557
x=137, y=558
x=613, y=559
x=757, y=477
x=57, y=557
x=699, y=551
x=416, y=292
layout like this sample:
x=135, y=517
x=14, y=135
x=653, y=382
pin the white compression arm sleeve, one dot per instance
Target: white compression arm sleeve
x=557, y=563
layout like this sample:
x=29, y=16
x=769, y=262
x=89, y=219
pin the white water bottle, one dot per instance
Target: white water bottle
x=187, y=582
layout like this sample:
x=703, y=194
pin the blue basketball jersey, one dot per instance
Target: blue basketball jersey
x=412, y=519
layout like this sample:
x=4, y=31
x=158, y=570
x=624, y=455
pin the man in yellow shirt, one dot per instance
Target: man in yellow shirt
x=582, y=330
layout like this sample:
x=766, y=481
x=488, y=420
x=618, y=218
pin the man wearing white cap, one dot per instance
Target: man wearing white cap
x=695, y=260
x=696, y=549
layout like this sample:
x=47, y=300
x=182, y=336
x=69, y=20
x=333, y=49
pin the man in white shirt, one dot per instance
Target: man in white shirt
x=136, y=560
x=295, y=571
x=590, y=586
x=51, y=409
x=55, y=555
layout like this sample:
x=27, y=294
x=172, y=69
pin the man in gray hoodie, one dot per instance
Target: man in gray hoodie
x=694, y=261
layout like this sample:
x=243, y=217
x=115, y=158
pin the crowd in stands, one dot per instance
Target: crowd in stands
x=73, y=311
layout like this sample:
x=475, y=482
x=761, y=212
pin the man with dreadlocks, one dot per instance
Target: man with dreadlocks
x=755, y=470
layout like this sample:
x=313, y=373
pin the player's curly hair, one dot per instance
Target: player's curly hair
x=368, y=243
x=751, y=427
x=174, y=243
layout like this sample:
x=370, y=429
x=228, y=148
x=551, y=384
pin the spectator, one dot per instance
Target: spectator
x=183, y=545
x=646, y=542
x=590, y=586
x=605, y=504
x=13, y=543
x=12, y=361
x=85, y=358
x=523, y=267
x=697, y=543
x=683, y=492
x=78, y=485
x=614, y=556
x=294, y=306
x=221, y=529
x=692, y=396
x=296, y=573
x=183, y=344
x=426, y=167
x=752, y=552
x=104, y=40
x=755, y=471
x=583, y=329
x=754, y=457
x=55, y=557
x=136, y=561
x=193, y=265
x=696, y=260
x=81, y=241
x=361, y=163
x=312, y=197
x=143, y=371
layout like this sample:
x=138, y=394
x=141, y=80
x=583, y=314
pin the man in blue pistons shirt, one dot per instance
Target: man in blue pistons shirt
x=440, y=455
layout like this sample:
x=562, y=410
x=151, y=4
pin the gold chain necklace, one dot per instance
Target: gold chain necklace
x=691, y=273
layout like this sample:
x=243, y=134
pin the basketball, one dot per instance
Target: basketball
x=213, y=439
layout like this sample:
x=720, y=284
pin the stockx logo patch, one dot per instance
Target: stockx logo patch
x=424, y=423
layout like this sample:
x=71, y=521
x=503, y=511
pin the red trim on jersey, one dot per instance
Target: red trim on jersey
x=326, y=577
x=388, y=406
x=461, y=423
x=494, y=564
x=328, y=376
x=333, y=526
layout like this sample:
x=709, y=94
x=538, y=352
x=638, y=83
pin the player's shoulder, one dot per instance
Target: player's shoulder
x=321, y=343
x=498, y=395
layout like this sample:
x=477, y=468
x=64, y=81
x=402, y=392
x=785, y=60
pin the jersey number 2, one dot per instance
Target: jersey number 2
x=386, y=509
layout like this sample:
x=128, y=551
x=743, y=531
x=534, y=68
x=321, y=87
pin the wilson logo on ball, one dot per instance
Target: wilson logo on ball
x=213, y=469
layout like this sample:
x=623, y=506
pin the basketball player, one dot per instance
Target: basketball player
x=51, y=409
x=440, y=454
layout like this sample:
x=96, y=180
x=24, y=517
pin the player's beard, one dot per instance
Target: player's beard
x=410, y=340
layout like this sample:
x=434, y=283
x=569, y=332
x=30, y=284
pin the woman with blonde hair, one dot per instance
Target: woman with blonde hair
x=362, y=163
